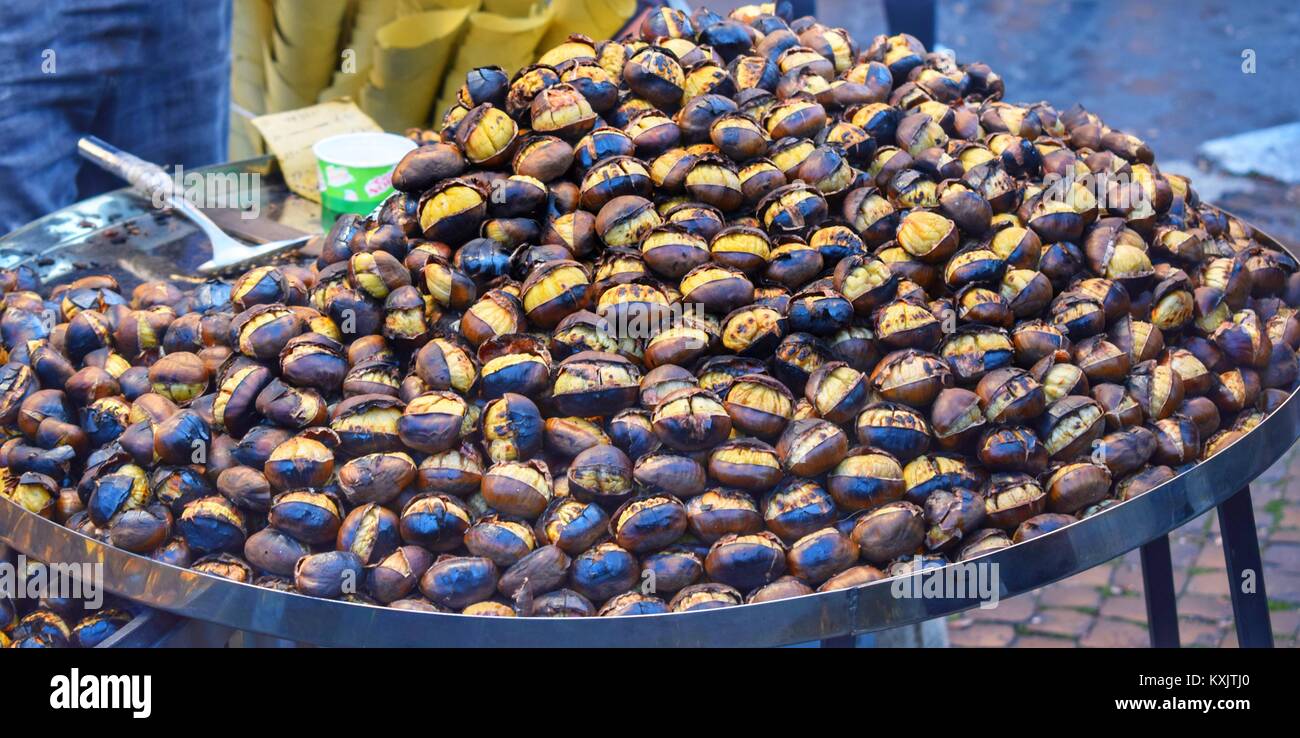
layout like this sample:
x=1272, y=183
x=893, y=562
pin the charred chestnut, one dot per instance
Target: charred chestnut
x=645, y=524
x=436, y=522
x=811, y=447
x=889, y=531
x=459, y=581
x=521, y=488
x=1073, y=487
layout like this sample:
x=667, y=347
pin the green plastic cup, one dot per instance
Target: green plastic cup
x=355, y=171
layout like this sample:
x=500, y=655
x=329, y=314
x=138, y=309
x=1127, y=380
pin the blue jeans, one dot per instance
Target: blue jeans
x=150, y=76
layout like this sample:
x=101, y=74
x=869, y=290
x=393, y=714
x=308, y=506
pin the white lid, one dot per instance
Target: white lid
x=367, y=149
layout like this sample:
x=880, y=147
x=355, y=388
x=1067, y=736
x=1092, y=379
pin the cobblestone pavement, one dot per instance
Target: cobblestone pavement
x=1104, y=605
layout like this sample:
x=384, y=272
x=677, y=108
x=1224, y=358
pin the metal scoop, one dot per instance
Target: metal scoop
x=151, y=181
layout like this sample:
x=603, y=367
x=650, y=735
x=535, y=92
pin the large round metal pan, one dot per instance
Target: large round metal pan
x=876, y=606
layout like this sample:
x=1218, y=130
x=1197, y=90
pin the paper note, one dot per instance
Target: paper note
x=291, y=134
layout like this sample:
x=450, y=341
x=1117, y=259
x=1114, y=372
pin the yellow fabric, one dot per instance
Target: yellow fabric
x=402, y=61
x=599, y=19
x=358, y=54
x=512, y=8
x=411, y=7
x=304, y=43
x=253, y=21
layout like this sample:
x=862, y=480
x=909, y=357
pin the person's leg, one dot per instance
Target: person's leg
x=915, y=17
x=51, y=84
x=173, y=106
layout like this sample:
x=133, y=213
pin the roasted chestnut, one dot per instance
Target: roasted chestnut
x=520, y=488
x=601, y=474
x=424, y=166
x=820, y=555
x=309, y=516
x=811, y=447
x=299, y=462
x=591, y=383
x=1125, y=450
x=707, y=596
x=759, y=405
x=1011, y=395
x=889, y=531
x=538, y=571
x=512, y=427
x=896, y=429
x=433, y=521
x=379, y=478
x=1072, y=487
x=180, y=377
x=951, y=514
x=720, y=511
x=747, y=464
x=1013, y=449
x=432, y=422
x=602, y=571
x=274, y=552
x=397, y=575
x=212, y=524
x=459, y=581
x=911, y=377
x=369, y=531
x=648, y=523
x=1010, y=499
x=572, y=525
x=746, y=561
x=691, y=418
x=797, y=507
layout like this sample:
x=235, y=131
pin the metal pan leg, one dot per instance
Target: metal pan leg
x=1245, y=571
x=1158, y=587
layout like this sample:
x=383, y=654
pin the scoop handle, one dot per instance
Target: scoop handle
x=146, y=177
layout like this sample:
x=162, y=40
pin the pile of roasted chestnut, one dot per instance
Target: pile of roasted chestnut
x=59, y=623
x=37, y=619
x=732, y=311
